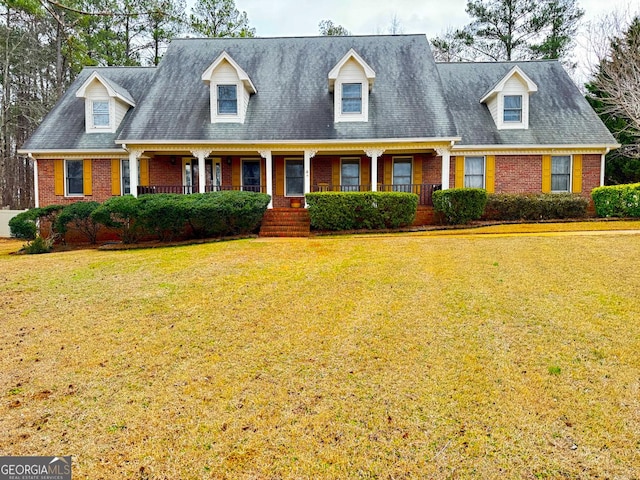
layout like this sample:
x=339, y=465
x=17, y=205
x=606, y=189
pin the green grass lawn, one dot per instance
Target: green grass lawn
x=397, y=356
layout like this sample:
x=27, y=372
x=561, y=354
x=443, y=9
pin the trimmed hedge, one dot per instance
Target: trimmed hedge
x=361, y=210
x=460, y=205
x=122, y=214
x=617, y=200
x=546, y=206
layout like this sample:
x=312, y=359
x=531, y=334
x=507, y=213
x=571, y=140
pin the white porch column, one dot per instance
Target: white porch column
x=602, y=165
x=134, y=156
x=266, y=154
x=36, y=183
x=308, y=155
x=201, y=154
x=374, y=154
x=445, y=153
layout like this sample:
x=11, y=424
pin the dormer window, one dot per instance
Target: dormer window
x=508, y=100
x=351, y=98
x=351, y=81
x=106, y=103
x=230, y=90
x=227, y=100
x=100, y=113
x=512, y=108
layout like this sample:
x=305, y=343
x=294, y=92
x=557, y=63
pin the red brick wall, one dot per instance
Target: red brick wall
x=590, y=173
x=518, y=174
x=101, y=182
x=161, y=172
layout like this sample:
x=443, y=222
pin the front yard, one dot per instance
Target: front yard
x=397, y=356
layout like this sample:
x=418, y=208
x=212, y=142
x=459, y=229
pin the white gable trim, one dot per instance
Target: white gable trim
x=335, y=71
x=82, y=91
x=499, y=87
x=242, y=75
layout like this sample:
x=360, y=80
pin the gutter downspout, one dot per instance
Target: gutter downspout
x=602, y=165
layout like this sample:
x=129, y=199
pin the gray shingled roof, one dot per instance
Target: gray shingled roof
x=120, y=90
x=293, y=101
x=64, y=128
x=558, y=112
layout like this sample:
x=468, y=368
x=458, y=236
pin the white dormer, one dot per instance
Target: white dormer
x=351, y=81
x=105, y=104
x=508, y=100
x=230, y=89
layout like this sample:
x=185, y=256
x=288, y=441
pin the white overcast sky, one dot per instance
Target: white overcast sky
x=275, y=18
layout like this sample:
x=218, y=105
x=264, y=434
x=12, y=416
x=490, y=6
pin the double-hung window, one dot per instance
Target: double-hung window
x=513, y=108
x=561, y=173
x=474, y=172
x=402, y=174
x=351, y=98
x=294, y=175
x=100, y=113
x=74, y=177
x=350, y=175
x=227, y=100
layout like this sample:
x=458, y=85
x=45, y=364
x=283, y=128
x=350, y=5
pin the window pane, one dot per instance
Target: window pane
x=560, y=173
x=402, y=174
x=351, y=98
x=100, y=113
x=474, y=172
x=227, y=99
x=251, y=175
x=126, y=189
x=75, y=177
x=294, y=174
x=350, y=175
x=513, y=108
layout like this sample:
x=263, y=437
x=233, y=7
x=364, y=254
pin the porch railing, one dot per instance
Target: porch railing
x=423, y=190
x=187, y=189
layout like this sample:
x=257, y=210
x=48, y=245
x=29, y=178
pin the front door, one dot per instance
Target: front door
x=251, y=175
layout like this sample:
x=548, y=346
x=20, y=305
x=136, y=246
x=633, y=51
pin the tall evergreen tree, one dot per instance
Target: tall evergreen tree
x=219, y=18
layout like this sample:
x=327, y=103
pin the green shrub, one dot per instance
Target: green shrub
x=546, y=206
x=78, y=216
x=164, y=215
x=25, y=224
x=225, y=213
x=122, y=214
x=39, y=245
x=460, y=205
x=617, y=200
x=358, y=210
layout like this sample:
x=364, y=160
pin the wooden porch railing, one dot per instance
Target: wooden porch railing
x=187, y=189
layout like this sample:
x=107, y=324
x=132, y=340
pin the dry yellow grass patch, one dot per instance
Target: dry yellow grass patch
x=391, y=357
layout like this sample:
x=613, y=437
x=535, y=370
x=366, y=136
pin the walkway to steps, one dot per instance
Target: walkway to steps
x=285, y=222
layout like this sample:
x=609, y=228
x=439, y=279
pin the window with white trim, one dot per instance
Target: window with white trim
x=402, y=174
x=74, y=177
x=294, y=178
x=352, y=98
x=350, y=175
x=125, y=182
x=227, y=99
x=561, y=173
x=512, y=111
x=474, y=170
x=100, y=113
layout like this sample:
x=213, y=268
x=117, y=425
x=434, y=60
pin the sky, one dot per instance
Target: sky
x=273, y=18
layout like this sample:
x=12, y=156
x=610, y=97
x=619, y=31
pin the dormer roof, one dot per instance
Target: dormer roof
x=351, y=54
x=242, y=75
x=113, y=89
x=517, y=72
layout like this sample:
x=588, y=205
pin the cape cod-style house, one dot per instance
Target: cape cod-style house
x=287, y=116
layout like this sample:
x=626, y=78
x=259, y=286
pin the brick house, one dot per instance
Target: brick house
x=287, y=116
